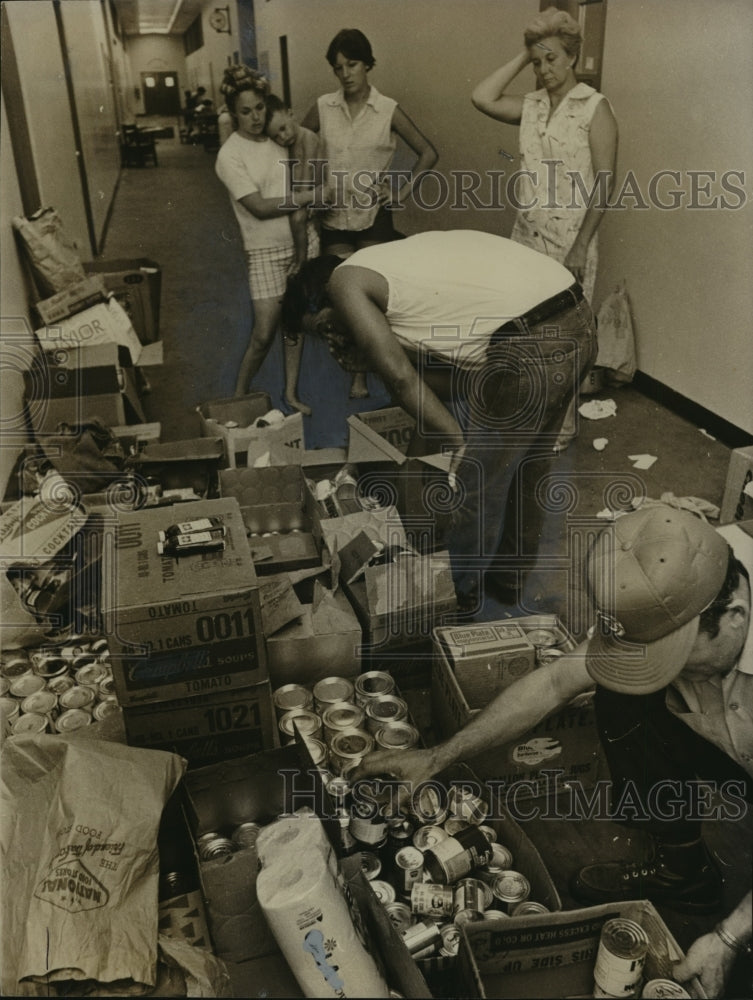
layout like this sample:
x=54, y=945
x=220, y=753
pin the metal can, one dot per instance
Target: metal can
x=510, y=889
x=468, y=916
x=349, y=747
x=307, y=723
x=51, y=666
x=367, y=825
x=339, y=716
x=372, y=684
x=432, y=900
x=106, y=687
x=339, y=789
x=245, y=834
x=386, y=708
x=409, y=869
x=42, y=702
x=489, y=832
x=450, y=934
x=549, y=655
x=383, y=891
x=421, y=939
x=496, y=915
x=90, y=674
x=400, y=915
x=456, y=857
x=105, y=708
x=501, y=861
x=72, y=719
x=543, y=638
x=397, y=736
x=77, y=697
x=371, y=866
x=620, y=958
x=429, y=804
x=427, y=837
x=318, y=751
x=347, y=840
x=60, y=684
x=330, y=690
x=528, y=908
x=472, y=894
x=4, y=686
x=217, y=847
x=663, y=988
x=21, y=687
x=455, y=824
x=9, y=712
x=291, y=696
x=99, y=647
x=466, y=805
x=399, y=832
x=14, y=665
x=31, y=723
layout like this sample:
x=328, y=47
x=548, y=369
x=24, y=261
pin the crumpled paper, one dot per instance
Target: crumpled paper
x=598, y=409
x=642, y=461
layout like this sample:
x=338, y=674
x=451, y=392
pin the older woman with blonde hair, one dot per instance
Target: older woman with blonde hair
x=568, y=147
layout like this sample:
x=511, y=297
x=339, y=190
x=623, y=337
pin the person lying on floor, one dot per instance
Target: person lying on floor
x=672, y=658
x=464, y=320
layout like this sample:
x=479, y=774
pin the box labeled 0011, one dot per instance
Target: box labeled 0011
x=179, y=627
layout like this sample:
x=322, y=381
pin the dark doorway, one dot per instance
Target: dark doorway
x=161, y=93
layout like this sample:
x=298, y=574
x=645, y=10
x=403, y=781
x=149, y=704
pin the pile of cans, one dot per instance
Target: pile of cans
x=431, y=877
x=620, y=961
x=342, y=721
x=216, y=844
x=56, y=689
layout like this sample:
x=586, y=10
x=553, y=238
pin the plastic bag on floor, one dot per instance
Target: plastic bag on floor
x=53, y=258
x=616, y=341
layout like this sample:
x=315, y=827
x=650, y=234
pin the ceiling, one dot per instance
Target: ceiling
x=164, y=17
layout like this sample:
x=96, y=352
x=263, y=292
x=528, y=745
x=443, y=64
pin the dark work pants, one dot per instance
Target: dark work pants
x=656, y=761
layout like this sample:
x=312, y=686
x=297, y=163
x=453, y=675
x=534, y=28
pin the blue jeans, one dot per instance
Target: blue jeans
x=511, y=405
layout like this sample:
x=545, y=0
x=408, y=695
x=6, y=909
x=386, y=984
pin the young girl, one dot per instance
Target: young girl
x=250, y=166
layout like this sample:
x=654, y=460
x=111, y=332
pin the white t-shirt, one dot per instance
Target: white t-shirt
x=449, y=291
x=244, y=167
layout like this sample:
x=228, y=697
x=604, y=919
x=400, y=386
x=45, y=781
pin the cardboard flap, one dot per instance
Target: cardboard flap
x=279, y=603
x=105, y=323
x=356, y=555
x=331, y=612
x=366, y=445
x=413, y=581
x=151, y=354
x=33, y=530
x=192, y=450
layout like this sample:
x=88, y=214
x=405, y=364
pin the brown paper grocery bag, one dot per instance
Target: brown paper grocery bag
x=78, y=835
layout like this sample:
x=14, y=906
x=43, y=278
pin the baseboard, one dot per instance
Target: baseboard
x=729, y=434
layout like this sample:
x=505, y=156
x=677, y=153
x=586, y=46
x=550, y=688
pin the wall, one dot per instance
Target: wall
x=206, y=66
x=156, y=54
x=683, y=96
x=670, y=70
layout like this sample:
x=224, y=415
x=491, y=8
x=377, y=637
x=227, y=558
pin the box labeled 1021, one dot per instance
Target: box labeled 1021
x=181, y=626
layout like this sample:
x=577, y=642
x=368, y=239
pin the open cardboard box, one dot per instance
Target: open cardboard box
x=136, y=284
x=258, y=789
x=191, y=464
x=104, y=323
x=244, y=444
x=553, y=954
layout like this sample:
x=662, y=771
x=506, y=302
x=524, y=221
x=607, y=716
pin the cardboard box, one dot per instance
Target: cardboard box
x=485, y=658
x=76, y=297
x=737, y=503
x=185, y=626
x=258, y=789
x=105, y=323
x=245, y=444
x=134, y=437
x=207, y=728
x=74, y=384
x=553, y=954
x=322, y=641
x=136, y=284
x=194, y=463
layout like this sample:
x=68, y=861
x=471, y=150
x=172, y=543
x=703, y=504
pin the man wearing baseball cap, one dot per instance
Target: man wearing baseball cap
x=672, y=658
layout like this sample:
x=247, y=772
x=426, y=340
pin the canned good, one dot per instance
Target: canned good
x=105, y=708
x=466, y=805
x=400, y=915
x=347, y=840
x=349, y=747
x=31, y=723
x=383, y=891
x=450, y=935
x=339, y=716
x=620, y=958
x=371, y=866
x=77, y=697
x=60, y=684
x=528, y=908
x=290, y=697
x=4, y=686
x=372, y=684
x=409, y=869
x=106, y=687
x=432, y=900
x=99, y=647
x=489, y=832
x=330, y=690
x=385, y=708
x=173, y=884
x=72, y=719
x=9, y=712
x=318, y=751
x=15, y=665
x=339, y=789
x=397, y=736
x=455, y=857
x=367, y=825
x=427, y=837
x=468, y=916
x=90, y=674
x=501, y=861
x=245, y=834
x=428, y=803
x=216, y=847
x=421, y=939
x=510, y=889
x=496, y=915
x=41, y=703
x=307, y=723
x=664, y=988
x=472, y=894
x=454, y=825
x=543, y=638
x=21, y=687
x=51, y=666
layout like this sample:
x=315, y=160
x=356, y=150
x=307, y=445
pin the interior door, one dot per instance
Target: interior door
x=161, y=93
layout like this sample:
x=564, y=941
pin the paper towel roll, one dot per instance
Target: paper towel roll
x=309, y=917
x=293, y=837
